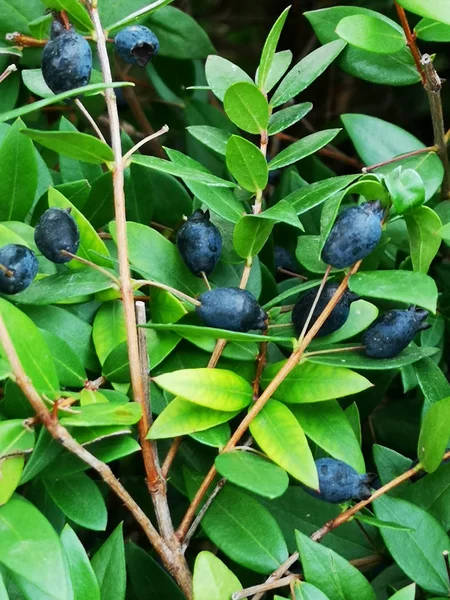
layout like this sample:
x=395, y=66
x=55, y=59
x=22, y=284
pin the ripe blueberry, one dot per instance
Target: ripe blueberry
x=55, y=231
x=231, y=308
x=392, y=332
x=336, y=319
x=136, y=44
x=18, y=268
x=339, y=482
x=200, y=243
x=284, y=260
x=66, y=60
x=354, y=236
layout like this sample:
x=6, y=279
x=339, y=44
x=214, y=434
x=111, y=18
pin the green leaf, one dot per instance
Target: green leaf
x=371, y=34
x=250, y=235
x=432, y=31
x=188, y=173
x=331, y=573
x=109, y=567
x=280, y=436
x=70, y=371
x=183, y=37
x=395, y=69
x=247, y=164
x=253, y=473
x=306, y=591
x=10, y=473
x=155, y=258
x=286, y=117
x=306, y=71
x=217, y=436
x=130, y=18
x=80, y=500
x=213, y=388
x=28, y=108
x=77, y=12
x=192, y=331
x=432, y=493
x=268, y=53
x=312, y=195
x=221, y=74
x=361, y=315
x=39, y=27
x=31, y=348
x=399, y=286
x=247, y=107
x=280, y=64
x=20, y=175
x=72, y=169
x=181, y=418
x=30, y=549
x=434, y=435
x=424, y=240
x=425, y=543
x=388, y=141
x=304, y=147
x=103, y=414
x=80, y=146
x=327, y=425
x=148, y=579
x=92, y=247
x=15, y=437
x=328, y=216
x=213, y=579
x=84, y=582
x=380, y=524
x=309, y=382
x=439, y=10
x=242, y=529
x=212, y=137
x=406, y=188
x=108, y=329
x=407, y=593
x=358, y=360
x=432, y=381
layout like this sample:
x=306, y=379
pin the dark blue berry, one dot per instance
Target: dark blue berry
x=336, y=319
x=284, y=260
x=66, y=60
x=231, y=308
x=339, y=482
x=18, y=268
x=55, y=231
x=354, y=236
x=136, y=44
x=200, y=243
x=392, y=332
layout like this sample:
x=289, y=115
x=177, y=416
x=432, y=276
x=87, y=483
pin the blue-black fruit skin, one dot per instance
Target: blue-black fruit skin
x=284, y=260
x=56, y=230
x=199, y=243
x=232, y=309
x=136, y=45
x=339, y=482
x=336, y=319
x=393, y=331
x=354, y=236
x=23, y=264
x=66, y=61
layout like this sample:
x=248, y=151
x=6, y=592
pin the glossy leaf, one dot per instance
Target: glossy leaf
x=253, y=473
x=331, y=573
x=434, y=435
x=132, y=18
x=439, y=10
x=109, y=566
x=309, y=382
x=268, y=53
x=424, y=239
x=312, y=195
x=400, y=286
x=280, y=64
x=15, y=437
x=406, y=188
x=280, y=436
x=212, y=137
x=426, y=542
x=306, y=591
x=407, y=593
x=247, y=164
x=371, y=34
x=286, y=117
x=213, y=579
x=304, y=147
x=432, y=493
x=76, y=11
x=432, y=31
x=361, y=315
x=250, y=235
x=327, y=425
x=181, y=418
x=357, y=359
x=84, y=582
x=247, y=107
x=71, y=372
x=192, y=331
x=221, y=74
x=306, y=71
x=10, y=472
x=103, y=414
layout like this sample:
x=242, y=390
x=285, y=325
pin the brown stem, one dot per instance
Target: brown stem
x=22, y=41
x=290, y=364
x=334, y=350
x=433, y=85
x=167, y=288
x=261, y=362
x=168, y=461
x=265, y=587
x=291, y=274
x=90, y=119
x=89, y=263
x=401, y=157
x=217, y=353
x=164, y=129
x=410, y=40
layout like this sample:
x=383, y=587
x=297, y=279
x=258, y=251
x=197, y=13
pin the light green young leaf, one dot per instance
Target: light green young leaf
x=247, y=164
x=439, y=10
x=221, y=74
x=211, y=137
x=75, y=9
x=84, y=582
x=371, y=34
x=406, y=188
x=212, y=579
x=434, y=435
x=268, y=53
x=424, y=239
x=247, y=107
x=280, y=64
x=432, y=31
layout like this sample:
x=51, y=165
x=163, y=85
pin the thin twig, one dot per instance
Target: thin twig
x=168, y=461
x=314, y=304
x=147, y=139
x=260, y=362
x=90, y=119
x=217, y=353
x=265, y=587
x=163, y=286
x=333, y=350
x=7, y=72
x=92, y=265
x=246, y=274
x=398, y=158
x=291, y=274
x=205, y=279
x=410, y=40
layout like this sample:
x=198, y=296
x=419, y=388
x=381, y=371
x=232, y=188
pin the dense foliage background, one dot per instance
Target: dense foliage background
x=87, y=509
